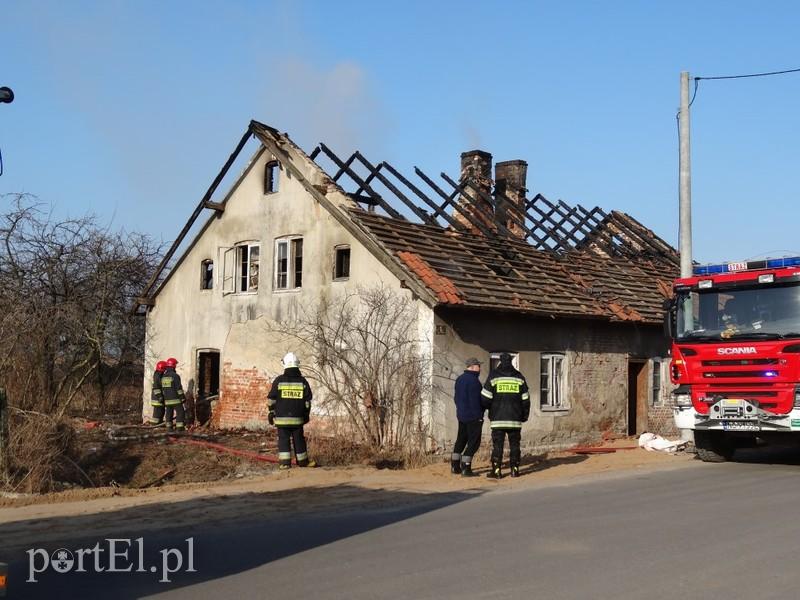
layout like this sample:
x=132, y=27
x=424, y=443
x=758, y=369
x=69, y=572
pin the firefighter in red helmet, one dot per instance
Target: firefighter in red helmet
x=156, y=396
x=172, y=391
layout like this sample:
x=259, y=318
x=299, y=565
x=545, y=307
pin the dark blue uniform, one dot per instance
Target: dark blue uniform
x=470, y=422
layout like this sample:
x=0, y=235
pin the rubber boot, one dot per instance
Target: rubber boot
x=495, y=472
x=466, y=470
x=307, y=463
x=455, y=467
x=515, y=470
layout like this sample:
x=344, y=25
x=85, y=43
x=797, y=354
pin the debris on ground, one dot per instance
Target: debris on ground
x=656, y=443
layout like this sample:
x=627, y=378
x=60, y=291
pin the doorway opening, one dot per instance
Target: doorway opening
x=207, y=383
x=637, y=396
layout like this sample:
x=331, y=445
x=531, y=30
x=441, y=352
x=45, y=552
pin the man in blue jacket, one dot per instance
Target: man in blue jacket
x=470, y=418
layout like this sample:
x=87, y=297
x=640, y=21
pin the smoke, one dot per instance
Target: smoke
x=335, y=106
x=472, y=136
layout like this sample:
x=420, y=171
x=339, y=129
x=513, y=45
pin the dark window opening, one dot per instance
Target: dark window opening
x=271, y=177
x=342, y=263
x=207, y=275
x=297, y=250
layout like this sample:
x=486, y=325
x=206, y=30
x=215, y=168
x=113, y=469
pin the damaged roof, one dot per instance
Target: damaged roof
x=560, y=260
x=468, y=270
x=541, y=257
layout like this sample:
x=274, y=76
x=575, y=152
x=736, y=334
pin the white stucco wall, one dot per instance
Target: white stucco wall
x=186, y=318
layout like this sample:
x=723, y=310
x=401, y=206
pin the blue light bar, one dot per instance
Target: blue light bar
x=753, y=265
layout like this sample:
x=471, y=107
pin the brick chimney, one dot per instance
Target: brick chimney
x=510, y=178
x=476, y=167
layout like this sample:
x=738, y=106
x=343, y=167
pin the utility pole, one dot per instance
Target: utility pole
x=685, y=181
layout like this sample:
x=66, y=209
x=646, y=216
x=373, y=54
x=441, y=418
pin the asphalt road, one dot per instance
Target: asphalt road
x=701, y=531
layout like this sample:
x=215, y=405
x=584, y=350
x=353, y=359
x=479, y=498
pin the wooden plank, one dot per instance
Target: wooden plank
x=217, y=206
x=364, y=185
x=475, y=223
x=437, y=211
x=425, y=217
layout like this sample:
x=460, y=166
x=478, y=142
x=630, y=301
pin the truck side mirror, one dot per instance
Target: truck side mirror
x=670, y=311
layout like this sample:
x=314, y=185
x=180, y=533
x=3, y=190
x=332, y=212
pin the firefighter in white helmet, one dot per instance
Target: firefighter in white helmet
x=290, y=409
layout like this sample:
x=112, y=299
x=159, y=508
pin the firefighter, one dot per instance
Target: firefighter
x=156, y=396
x=289, y=403
x=505, y=395
x=469, y=413
x=172, y=391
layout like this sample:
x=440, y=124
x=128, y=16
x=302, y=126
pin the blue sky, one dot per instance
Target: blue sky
x=128, y=109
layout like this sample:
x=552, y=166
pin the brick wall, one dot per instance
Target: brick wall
x=660, y=421
x=243, y=399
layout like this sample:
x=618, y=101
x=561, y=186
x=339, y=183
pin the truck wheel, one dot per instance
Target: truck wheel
x=713, y=447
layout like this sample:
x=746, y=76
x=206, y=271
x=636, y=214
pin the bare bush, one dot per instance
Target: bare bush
x=67, y=335
x=66, y=290
x=40, y=448
x=365, y=354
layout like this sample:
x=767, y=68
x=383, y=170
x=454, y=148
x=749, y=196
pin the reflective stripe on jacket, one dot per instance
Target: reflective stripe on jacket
x=171, y=388
x=290, y=399
x=156, y=397
x=505, y=394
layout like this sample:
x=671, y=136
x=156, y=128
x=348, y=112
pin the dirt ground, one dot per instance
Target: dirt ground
x=266, y=492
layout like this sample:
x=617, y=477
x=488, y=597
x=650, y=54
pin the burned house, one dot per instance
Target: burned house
x=574, y=294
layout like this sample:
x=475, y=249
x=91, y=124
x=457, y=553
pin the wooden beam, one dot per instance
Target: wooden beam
x=426, y=218
x=218, y=206
x=364, y=185
x=437, y=211
x=200, y=206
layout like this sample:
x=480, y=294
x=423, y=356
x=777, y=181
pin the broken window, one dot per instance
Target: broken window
x=247, y=263
x=655, y=387
x=288, y=263
x=341, y=267
x=207, y=274
x=552, y=382
x=271, y=172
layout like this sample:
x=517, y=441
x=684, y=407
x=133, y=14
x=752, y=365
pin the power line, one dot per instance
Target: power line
x=750, y=75
x=697, y=80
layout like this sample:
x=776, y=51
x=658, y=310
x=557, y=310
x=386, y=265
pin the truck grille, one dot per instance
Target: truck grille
x=740, y=362
x=723, y=374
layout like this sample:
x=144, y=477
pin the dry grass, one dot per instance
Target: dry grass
x=41, y=450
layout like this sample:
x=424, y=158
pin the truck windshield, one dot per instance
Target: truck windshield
x=757, y=312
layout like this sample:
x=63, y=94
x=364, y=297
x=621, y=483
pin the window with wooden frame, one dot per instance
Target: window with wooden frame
x=288, y=263
x=341, y=263
x=207, y=274
x=271, y=176
x=552, y=384
x=240, y=268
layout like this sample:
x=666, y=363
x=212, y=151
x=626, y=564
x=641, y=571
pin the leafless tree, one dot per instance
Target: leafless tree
x=364, y=352
x=66, y=290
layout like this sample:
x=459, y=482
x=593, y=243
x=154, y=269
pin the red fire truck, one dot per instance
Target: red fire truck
x=735, y=331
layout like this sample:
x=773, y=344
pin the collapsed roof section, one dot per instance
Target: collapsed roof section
x=474, y=246
x=476, y=242
x=470, y=205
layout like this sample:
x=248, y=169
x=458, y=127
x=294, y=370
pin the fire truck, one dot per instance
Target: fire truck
x=735, y=330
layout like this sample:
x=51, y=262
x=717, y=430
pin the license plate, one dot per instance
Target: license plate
x=740, y=425
x=731, y=402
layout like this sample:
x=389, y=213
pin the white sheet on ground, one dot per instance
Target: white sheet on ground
x=656, y=443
